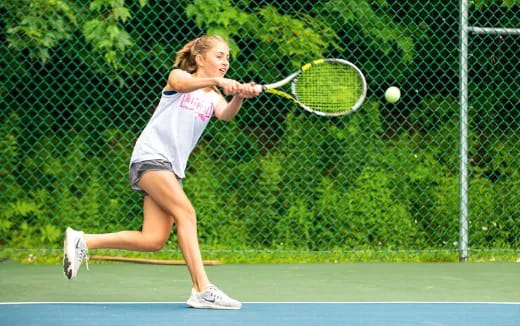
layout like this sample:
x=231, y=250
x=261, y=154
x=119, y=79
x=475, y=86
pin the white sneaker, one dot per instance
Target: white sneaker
x=75, y=250
x=212, y=298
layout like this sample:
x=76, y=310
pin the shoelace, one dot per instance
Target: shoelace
x=83, y=255
x=213, y=293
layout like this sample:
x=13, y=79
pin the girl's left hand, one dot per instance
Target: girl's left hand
x=248, y=90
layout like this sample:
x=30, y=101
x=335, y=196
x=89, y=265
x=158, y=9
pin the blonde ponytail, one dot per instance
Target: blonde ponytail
x=185, y=58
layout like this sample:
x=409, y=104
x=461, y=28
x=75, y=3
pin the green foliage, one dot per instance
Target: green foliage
x=43, y=25
x=398, y=198
x=219, y=18
x=436, y=121
x=301, y=38
x=480, y=4
x=8, y=158
x=379, y=30
x=40, y=26
x=67, y=186
x=278, y=183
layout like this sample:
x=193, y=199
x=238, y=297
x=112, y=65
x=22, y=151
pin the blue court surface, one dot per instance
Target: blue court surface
x=271, y=314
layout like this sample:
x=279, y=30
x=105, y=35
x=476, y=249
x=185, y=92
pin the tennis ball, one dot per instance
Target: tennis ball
x=392, y=94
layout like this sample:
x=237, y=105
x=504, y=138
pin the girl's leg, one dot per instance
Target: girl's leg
x=154, y=234
x=165, y=204
x=166, y=195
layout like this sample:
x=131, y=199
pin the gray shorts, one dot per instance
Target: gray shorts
x=137, y=169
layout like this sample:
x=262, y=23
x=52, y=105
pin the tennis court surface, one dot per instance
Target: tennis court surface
x=277, y=294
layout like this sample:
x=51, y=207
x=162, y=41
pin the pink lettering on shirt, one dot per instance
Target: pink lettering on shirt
x=199, y=106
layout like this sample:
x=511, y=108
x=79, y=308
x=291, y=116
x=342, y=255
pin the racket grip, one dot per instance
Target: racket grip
x=260, y=88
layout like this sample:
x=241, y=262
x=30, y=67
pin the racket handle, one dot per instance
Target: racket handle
x=260, y=88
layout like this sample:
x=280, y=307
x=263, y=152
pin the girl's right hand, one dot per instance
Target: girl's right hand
x=250, y=90
x=229, y=86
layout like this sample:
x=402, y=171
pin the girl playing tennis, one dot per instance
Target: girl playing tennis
x=157, y=167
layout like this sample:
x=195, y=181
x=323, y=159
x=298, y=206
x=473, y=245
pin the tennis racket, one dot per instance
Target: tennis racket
x=329, y=87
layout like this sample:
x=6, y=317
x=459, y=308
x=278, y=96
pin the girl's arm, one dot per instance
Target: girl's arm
x=182, y=82
x=227, y=111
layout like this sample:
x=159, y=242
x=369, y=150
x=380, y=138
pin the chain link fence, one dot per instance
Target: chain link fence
x=80, y=81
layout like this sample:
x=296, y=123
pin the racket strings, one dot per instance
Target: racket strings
x=329, y=88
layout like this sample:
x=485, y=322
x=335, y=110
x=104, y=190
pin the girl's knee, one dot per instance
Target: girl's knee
x=185, y=215
x=156, y=245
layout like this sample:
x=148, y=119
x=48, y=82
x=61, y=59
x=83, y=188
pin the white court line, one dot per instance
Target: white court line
x=277, y=302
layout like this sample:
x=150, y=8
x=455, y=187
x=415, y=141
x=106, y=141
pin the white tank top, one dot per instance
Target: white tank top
x=175, y=128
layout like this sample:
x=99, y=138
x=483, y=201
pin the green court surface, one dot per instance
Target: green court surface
x=353, y=282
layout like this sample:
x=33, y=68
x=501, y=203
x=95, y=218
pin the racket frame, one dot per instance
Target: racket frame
x=293, y=78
